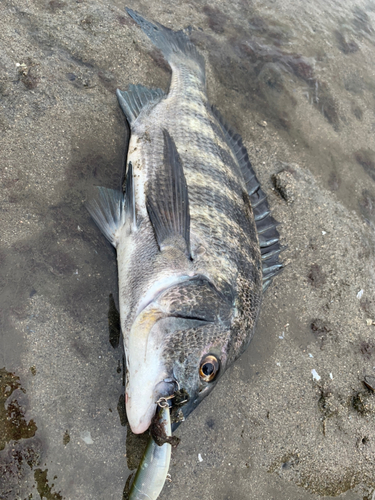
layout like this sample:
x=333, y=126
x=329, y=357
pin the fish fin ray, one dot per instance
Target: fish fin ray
x=270, y=253
x=266, y=224
x=107, y=210
x=266, y=284
x=269, y=237
x=136, y=98
x=168, y=201
x=271, y=266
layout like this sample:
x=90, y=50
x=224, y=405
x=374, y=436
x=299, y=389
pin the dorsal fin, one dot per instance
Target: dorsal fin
x=235, y=142
x=167, y=198
x=266, y=225
x=137, y=97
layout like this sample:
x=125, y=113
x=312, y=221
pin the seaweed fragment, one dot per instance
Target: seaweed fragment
x=44, y=489
x=13, y=424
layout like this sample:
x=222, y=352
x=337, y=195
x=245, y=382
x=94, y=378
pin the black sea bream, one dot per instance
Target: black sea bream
x=196, y=244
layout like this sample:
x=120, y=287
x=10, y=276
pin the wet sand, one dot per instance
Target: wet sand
x=292, y=419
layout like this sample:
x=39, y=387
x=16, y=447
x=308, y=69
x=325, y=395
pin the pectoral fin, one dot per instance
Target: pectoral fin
x=110, y=208
x=107, y=210
x=168, y=200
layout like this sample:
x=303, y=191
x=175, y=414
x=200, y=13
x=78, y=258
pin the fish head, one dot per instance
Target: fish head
x=177, y=350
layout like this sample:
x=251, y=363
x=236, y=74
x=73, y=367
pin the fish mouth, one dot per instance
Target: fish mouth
x=169, y=394
x=143, y=423
x=141, y=407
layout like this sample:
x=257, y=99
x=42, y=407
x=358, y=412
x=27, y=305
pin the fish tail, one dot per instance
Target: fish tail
x=175, y=45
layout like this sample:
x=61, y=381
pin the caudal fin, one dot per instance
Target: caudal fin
x=175, y=45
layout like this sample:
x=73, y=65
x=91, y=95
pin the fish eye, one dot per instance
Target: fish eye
x=209, y=368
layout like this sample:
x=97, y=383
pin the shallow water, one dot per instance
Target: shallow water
x=297, y=80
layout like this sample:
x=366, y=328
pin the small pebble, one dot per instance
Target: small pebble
x=86, y=437
x=369, y=382
x=200, y=457
x=285, y=185
x=262, y=124
x=315, y=375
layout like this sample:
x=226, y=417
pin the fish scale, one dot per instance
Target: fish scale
x=214, y=172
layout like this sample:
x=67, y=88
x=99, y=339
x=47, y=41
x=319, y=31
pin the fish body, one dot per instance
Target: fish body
x=196, y=244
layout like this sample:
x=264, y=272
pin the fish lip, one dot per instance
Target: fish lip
x=145, y=422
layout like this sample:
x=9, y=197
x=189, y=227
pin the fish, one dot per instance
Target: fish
x=196, y=243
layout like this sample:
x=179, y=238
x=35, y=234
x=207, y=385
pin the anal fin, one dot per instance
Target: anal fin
x=167, y=199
